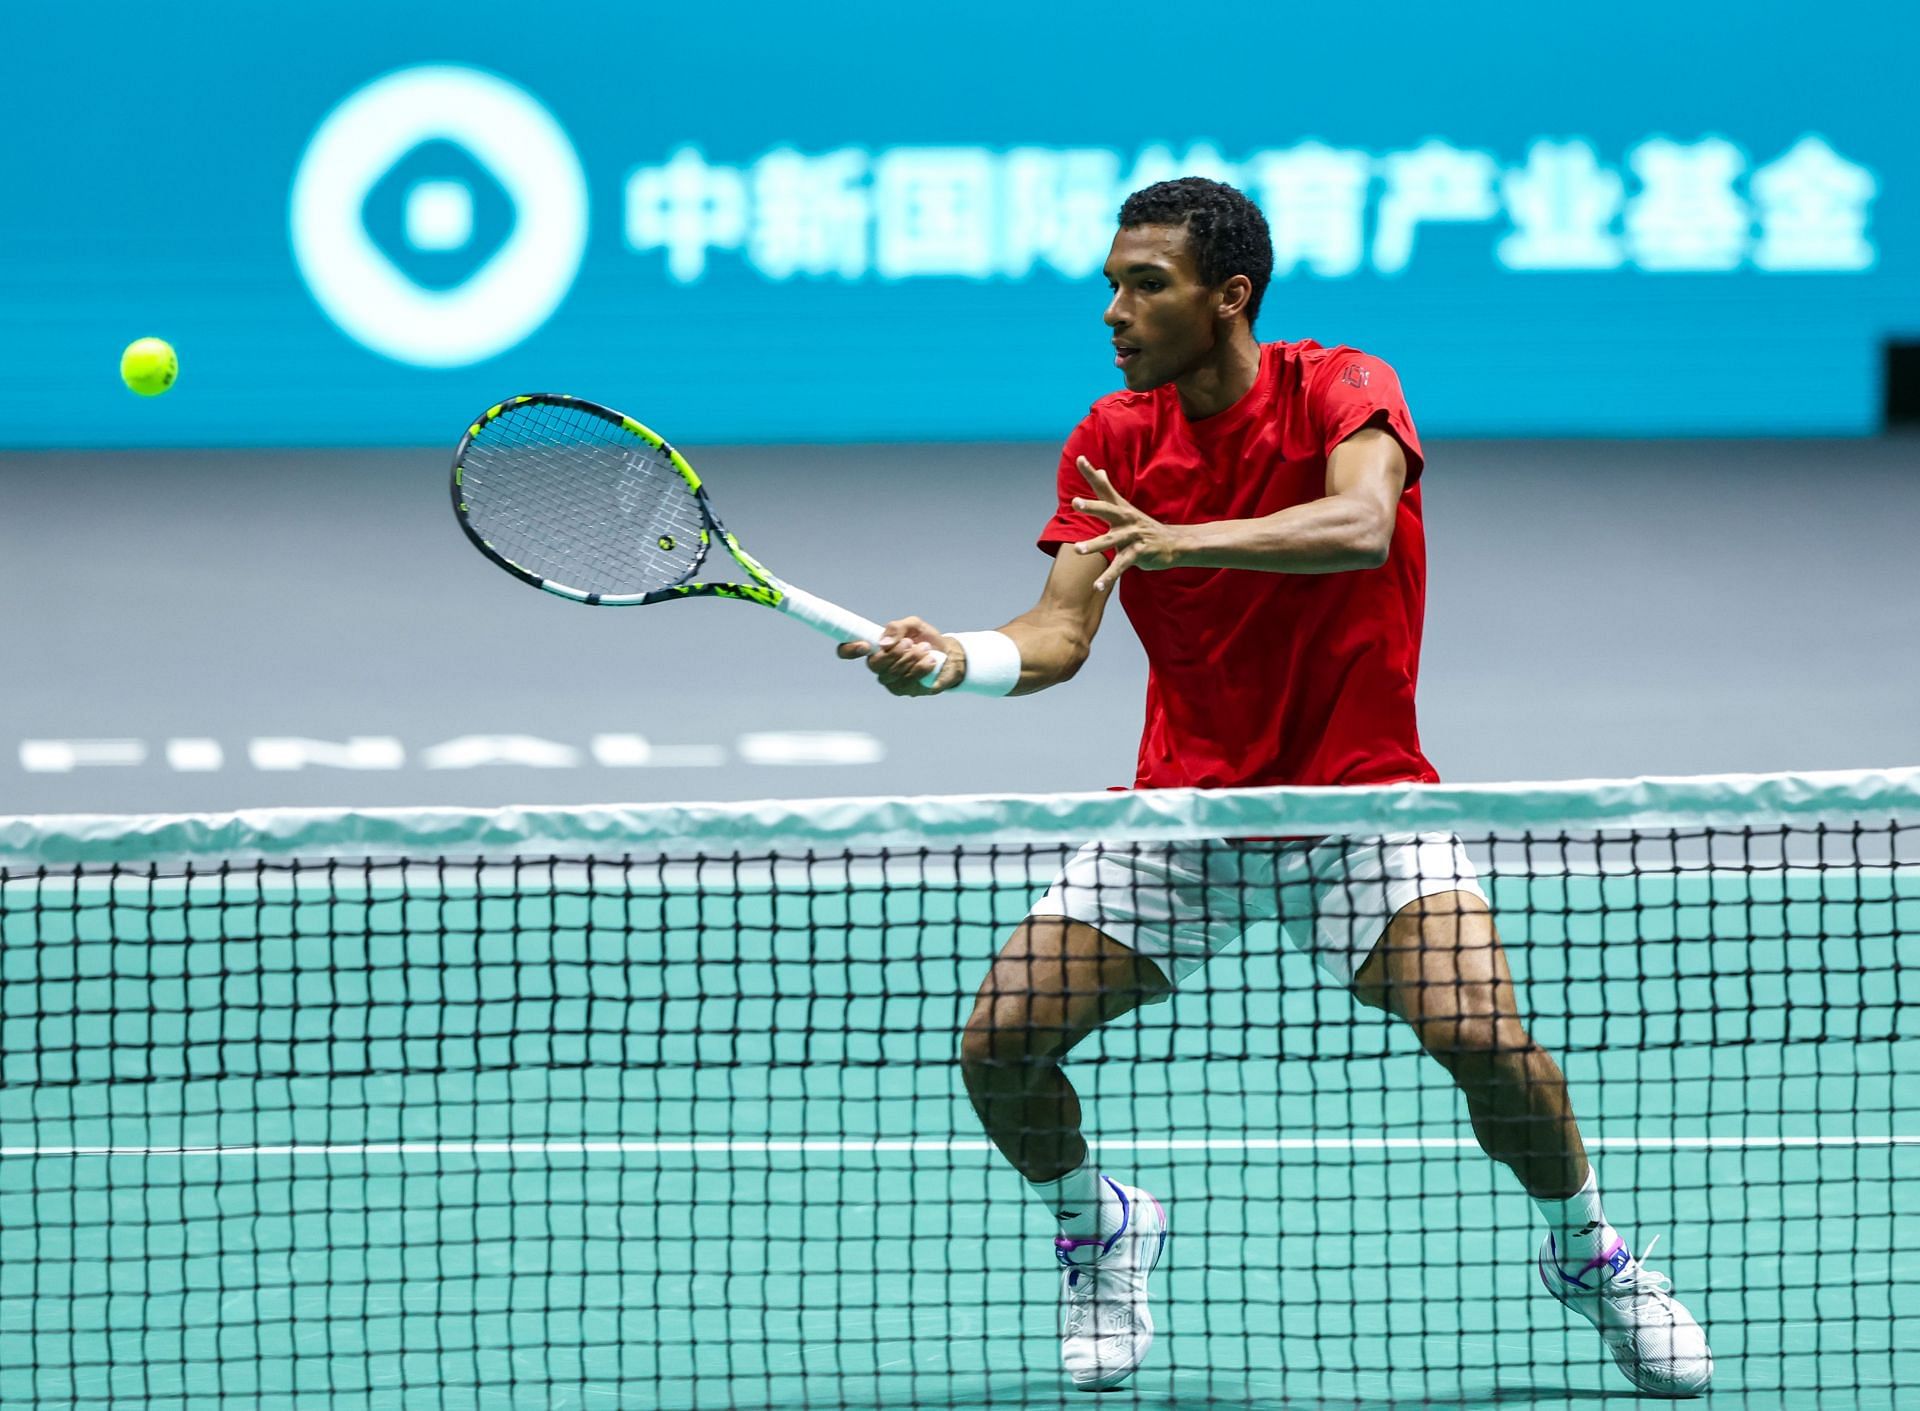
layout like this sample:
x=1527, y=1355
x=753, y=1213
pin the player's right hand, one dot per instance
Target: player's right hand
x=904, y=654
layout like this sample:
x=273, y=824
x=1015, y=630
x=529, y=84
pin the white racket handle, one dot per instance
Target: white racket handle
x=838, y=623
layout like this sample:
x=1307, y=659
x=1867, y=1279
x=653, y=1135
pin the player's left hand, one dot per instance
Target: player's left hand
x=1137, y=539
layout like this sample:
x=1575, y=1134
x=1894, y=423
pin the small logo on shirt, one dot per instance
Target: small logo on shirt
x=1354, y=375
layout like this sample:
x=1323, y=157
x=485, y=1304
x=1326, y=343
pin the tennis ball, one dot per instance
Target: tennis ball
x=149, y=366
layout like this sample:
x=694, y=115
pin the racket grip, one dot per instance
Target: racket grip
x=837, y=622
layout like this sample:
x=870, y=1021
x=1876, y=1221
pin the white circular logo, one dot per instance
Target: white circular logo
x=510, y=295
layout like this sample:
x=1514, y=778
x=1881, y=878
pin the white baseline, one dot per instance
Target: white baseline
x=755, y=1146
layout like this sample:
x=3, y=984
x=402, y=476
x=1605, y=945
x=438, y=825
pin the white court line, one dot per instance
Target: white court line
x=761, y=1146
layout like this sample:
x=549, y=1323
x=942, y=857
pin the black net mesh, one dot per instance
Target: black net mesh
x=705, y=1129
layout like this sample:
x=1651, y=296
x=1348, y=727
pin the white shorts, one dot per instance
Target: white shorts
x=1182, y=903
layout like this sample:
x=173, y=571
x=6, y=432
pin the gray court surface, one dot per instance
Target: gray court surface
x=224, y=629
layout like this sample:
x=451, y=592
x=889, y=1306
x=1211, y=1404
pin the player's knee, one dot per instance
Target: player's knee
x=977, y=1046
x=999, y=1034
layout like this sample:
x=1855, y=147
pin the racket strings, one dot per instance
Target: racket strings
x=581, y=501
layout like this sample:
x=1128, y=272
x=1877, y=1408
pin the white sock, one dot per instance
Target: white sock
x=1077, y=1202
x=1579, y=1227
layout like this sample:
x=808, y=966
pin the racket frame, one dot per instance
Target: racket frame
x=827, y=618
x=764, y=589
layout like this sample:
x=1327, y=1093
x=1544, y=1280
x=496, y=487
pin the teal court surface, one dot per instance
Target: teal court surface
x=690, y=1135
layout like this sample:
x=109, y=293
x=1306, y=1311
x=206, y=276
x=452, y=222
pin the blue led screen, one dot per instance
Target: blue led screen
x=760, y=222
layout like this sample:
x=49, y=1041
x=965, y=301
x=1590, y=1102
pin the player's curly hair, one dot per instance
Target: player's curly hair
x=1226, y=232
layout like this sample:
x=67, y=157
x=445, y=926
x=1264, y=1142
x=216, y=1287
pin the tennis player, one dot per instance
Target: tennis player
x=1258, y=506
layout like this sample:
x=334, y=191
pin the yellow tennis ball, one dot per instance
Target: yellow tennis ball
x=149, y=366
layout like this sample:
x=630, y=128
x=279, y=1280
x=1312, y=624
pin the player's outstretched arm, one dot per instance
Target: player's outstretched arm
x=1350, y=527
x=1054, y=637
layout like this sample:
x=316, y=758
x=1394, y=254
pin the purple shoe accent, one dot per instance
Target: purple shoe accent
x=1614, y=1260
x=1126, y=1214
x=1063, y=1247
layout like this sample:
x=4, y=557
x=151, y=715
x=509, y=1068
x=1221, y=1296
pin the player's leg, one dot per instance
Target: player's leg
x=1118, y=928
x=1441, y=968
x=1054, y=982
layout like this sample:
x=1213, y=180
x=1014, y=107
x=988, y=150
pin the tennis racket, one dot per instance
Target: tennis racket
x=584, y=502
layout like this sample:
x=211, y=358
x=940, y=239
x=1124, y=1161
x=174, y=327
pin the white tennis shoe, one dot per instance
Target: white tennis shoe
x=1105, y=1326
x=1652, y=1338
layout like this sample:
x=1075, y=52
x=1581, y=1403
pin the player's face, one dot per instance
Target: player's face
x=1161, y=314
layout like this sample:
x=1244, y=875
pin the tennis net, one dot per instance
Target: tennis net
x=659, y=1106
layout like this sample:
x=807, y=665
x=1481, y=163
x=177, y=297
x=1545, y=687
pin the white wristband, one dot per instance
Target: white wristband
x=993, y=663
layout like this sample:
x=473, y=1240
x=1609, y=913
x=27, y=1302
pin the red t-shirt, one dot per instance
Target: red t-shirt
x=1264, y=678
